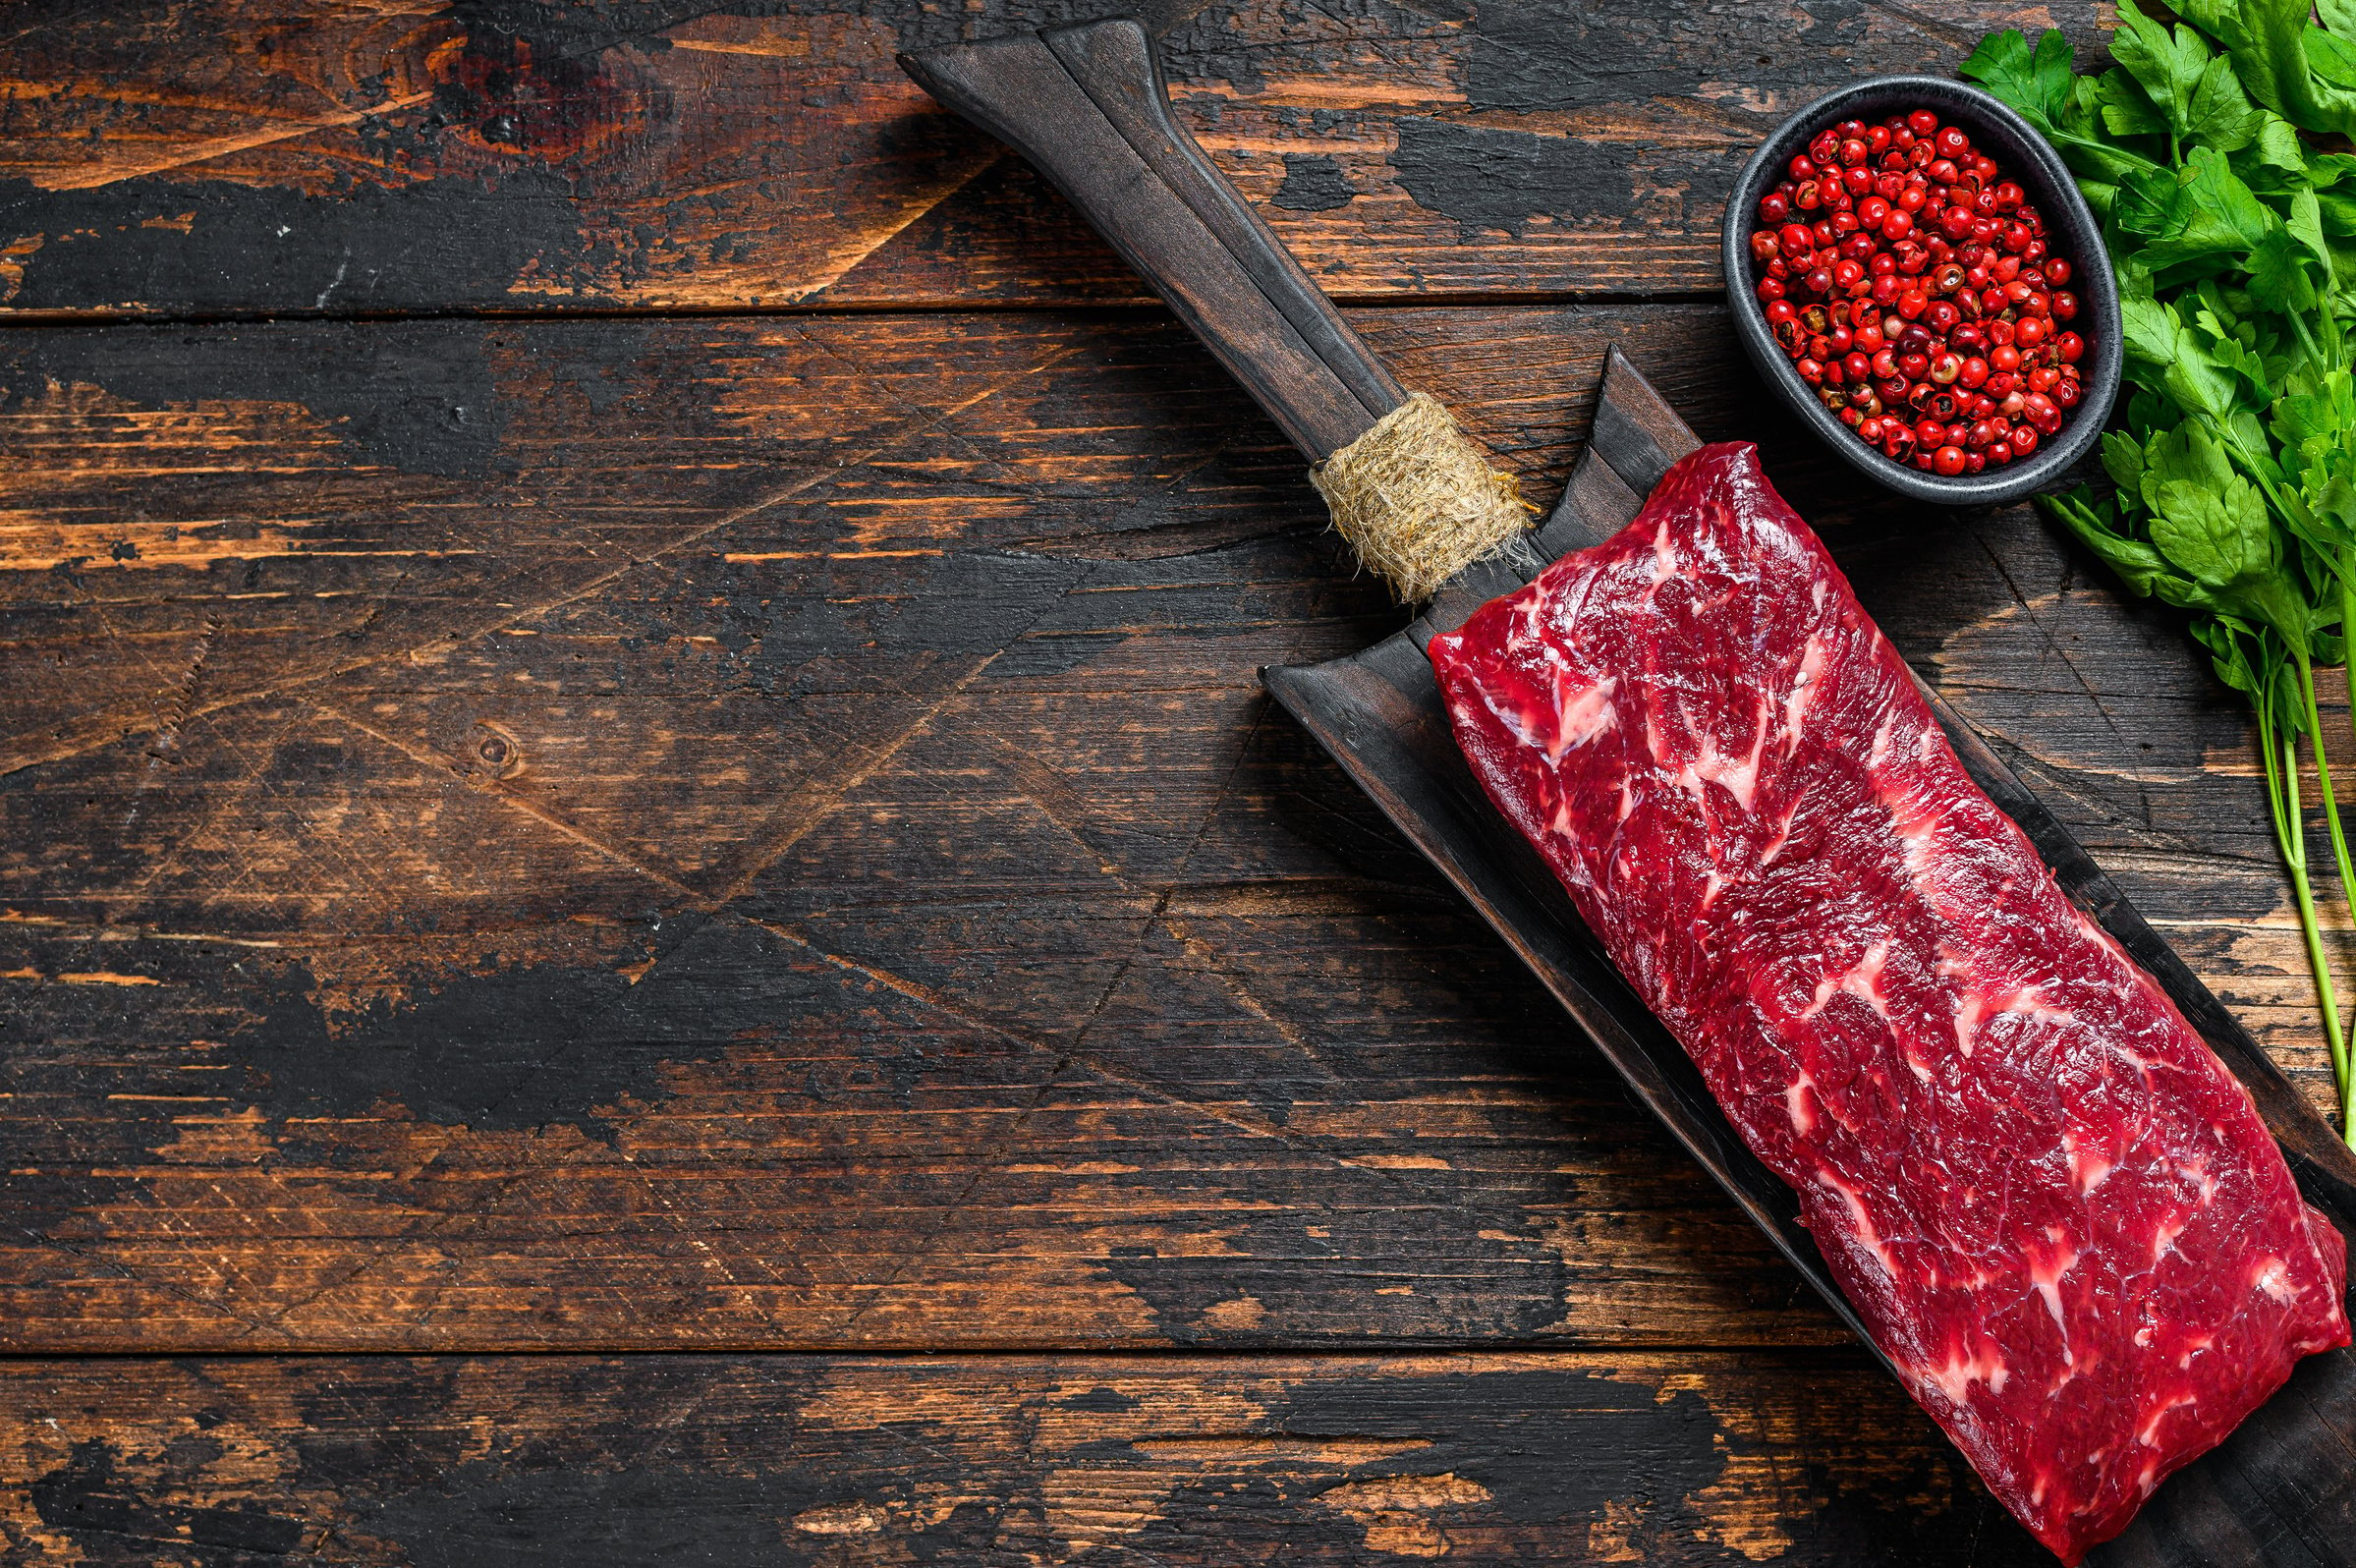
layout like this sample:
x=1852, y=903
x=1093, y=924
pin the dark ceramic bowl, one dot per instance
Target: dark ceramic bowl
x=2073, y=233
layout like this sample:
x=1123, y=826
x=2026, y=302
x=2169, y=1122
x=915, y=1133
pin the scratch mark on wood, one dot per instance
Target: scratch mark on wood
x=130, y=932
x=1207, y=961
x=166, y=747
x=1057, y=802
x=2053, y=642
x=855, y=250
x=186, y=157
x=499, y=791
x=1959, y=38
x=810, y=805
x=1068, y=1055
x=108, y=729
x=90, y=1257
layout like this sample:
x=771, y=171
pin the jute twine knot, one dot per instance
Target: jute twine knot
x=1416, y=499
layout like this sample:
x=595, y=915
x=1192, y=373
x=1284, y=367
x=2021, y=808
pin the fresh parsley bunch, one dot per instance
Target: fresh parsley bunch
x=2209, y=150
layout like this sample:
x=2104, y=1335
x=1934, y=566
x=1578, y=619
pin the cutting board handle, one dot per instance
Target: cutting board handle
x=1087, y=104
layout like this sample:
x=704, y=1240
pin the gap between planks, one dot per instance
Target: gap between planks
x=1830, y=1355
x=1500, y=300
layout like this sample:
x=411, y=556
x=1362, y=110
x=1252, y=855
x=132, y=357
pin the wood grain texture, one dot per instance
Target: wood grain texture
x=1693, y=1461
x=717, y=836
x=755, y=834
x=234, y=157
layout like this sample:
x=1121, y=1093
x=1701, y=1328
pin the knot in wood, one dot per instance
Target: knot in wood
x=497, y=752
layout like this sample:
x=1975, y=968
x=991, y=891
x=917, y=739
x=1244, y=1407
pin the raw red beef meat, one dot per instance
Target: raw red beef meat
x=2058, y=1213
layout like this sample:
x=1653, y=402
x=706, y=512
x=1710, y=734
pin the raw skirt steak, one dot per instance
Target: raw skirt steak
x=2058, y=1213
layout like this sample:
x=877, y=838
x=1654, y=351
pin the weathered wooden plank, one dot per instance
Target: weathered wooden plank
x=765, y=833
x=229, y=155
x=1687, y=1460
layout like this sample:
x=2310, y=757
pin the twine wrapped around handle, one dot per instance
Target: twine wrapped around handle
x=1416, y=499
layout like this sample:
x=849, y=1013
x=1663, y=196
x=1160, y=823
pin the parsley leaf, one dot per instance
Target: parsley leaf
x=2038, y=82
x=2167, y=65
x=2267, y=41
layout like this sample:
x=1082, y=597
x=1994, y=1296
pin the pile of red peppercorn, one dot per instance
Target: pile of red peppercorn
x=1912, y=285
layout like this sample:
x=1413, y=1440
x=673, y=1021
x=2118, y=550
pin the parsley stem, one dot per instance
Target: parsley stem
x=2282, y=762
x=2254, y=465
x=2339, y=842
x=2298, y=324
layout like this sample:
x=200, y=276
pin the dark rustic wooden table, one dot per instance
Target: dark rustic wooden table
x=651, y=911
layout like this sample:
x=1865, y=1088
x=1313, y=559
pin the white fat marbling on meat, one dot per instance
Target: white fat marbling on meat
x=2046, y=1273
x=1879, y=754
x=1795, y=1104
x=1530, y=625
x=1917, y=828
x=1955, y=1375
x=1737, y=775
x=2032, y=1003
x=1805, y=682
x=2148, y=1433
x=1975, y=1006
x=1524, y=722
x=1580, y=715
x=1861, y=1222
x=1861, y=979
x=1969, y=1009
x=2089, y=1168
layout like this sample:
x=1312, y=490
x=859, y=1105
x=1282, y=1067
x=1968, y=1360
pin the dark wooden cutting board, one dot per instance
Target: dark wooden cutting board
x=2282, y=1490
x=1088, y=107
